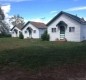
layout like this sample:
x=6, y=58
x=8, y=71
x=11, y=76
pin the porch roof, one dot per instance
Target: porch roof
x=62, y=23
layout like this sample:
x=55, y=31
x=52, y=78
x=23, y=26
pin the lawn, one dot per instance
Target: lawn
x=37, y=55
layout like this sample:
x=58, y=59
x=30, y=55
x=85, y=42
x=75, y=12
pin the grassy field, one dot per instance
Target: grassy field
x=36, y=54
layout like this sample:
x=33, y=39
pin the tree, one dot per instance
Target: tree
x=2, y=16
x=4, y=27
x=16, y=19
x=45, y=36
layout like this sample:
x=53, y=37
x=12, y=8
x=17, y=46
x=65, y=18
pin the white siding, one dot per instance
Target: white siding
x=70, y=36
x=34, y=35
x=13, y=34
x=83, y=32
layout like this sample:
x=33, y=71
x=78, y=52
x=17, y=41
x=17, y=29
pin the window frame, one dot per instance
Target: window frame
x=53, y=30
x=34, y=31
x=71, y=29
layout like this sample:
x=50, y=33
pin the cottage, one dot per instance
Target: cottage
x=15, y=31
x=33, y=29
x=65, y=26
x=29, y=30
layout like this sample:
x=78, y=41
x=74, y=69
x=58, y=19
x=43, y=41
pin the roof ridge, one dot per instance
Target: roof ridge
x=74, y=17
x=36, y=22
x=77, y=18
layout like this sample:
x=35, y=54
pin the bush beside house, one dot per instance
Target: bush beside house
x=45, y=36
x=21, y=36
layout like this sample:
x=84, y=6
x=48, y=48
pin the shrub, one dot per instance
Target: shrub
x=21, y=36
x=3, y=35
x=45, y=36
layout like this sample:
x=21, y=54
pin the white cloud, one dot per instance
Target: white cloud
x=25, y=20
x=14, y=0
x=6, y=9
x=76, y=8
x=85, y=18
x=53, y=12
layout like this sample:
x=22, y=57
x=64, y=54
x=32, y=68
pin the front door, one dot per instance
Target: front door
x=62, y=32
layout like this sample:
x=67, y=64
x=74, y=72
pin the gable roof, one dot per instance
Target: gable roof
x=19, y=26
x=38, y=25
x=74, y=17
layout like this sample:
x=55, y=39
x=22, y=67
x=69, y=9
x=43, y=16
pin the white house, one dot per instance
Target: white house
x=33, y=29
x=29, y=30
x=15, y=31
x=65, y=26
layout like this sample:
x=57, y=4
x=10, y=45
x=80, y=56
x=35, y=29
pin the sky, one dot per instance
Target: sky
x=42, y=10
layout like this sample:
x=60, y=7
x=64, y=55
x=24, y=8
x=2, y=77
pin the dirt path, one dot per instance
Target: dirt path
x=66, y=72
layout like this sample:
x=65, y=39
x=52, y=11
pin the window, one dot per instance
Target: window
x=53, y=29
x=34, y=31
x=71, y=29
x=25, y=31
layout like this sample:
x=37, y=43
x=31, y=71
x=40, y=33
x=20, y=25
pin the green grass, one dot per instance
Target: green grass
x=34, y=54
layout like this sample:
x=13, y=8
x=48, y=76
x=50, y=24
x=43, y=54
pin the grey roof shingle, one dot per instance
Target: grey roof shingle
x=74, y=17
x=19, y=26
x=39, y=25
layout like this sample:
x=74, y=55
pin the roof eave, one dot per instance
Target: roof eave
x=25, y=25
x=12, y=28
x=54, y=18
